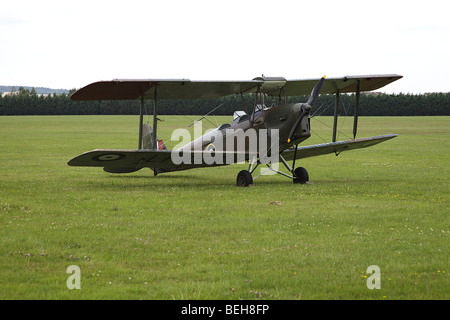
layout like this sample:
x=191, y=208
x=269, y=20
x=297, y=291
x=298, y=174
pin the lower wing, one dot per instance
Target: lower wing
x=126, y=161
x=334, y=147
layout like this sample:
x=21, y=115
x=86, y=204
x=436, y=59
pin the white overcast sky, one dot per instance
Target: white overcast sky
x=69, y=44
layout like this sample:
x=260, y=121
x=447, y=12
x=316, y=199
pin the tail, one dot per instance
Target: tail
x=147, y=138
x=147, y=141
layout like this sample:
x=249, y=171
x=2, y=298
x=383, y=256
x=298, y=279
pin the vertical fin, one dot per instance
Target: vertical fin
x=147, y=136
x=147, y=139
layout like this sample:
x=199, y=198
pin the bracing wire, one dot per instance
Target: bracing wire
x=315, y=115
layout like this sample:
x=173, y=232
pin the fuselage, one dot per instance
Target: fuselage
x=290, y=121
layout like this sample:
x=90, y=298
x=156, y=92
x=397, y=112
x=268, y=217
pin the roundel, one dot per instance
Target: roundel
x=210, y=147
x=109, y=157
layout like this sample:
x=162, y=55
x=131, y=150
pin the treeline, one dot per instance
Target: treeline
x=28, y=102
x=38, y=90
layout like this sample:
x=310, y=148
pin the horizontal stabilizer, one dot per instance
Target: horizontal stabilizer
x=334, y=147
x=121, y=169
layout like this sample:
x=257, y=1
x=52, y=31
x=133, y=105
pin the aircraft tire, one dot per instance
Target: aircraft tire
x=301, y=175
x=244, y=179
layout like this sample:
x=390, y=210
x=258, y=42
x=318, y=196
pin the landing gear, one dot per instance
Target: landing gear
x=244, y=179
x=300, y=175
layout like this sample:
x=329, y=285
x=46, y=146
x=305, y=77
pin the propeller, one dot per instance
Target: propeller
x=312, y=97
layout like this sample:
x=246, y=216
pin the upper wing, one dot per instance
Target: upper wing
x=166, y=89
x=343, y=85
x=334, y=147
x=187, y=89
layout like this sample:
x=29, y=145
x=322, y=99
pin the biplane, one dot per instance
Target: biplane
x=284, y=126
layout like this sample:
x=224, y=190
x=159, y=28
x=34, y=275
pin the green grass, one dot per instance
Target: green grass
x=195, y=235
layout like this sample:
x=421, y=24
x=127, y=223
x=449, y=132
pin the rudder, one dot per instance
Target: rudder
x=147, y=138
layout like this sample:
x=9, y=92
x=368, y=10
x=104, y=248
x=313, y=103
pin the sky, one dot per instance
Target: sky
x=69, y=44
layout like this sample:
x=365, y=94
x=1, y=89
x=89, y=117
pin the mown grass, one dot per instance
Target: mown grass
x=195, y=235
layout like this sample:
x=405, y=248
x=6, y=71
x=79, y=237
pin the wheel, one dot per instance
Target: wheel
x=244, y=179
x=301, y=175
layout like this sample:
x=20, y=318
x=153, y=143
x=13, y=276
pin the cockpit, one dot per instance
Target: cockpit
x=240, y=116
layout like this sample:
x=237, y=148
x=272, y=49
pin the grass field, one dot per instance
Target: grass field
x=195, y=235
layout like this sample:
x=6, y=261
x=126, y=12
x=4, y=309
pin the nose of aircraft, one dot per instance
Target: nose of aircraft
x=300, y=116
x=299, y=107
x=296, y=110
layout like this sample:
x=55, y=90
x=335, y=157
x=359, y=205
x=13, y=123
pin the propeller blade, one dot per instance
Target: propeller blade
x=315, y=91
x=314, y=94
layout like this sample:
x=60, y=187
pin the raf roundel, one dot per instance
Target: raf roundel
x=109, y=157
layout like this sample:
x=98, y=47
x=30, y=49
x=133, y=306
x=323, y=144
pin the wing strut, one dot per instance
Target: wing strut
x=356, y=112
x=141, y=120
x=336, y=106
x=355, y=119
x=155, y=118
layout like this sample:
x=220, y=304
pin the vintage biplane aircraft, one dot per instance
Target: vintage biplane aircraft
x=290, y=121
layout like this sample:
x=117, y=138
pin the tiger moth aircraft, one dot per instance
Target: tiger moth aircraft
x=260, y=135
